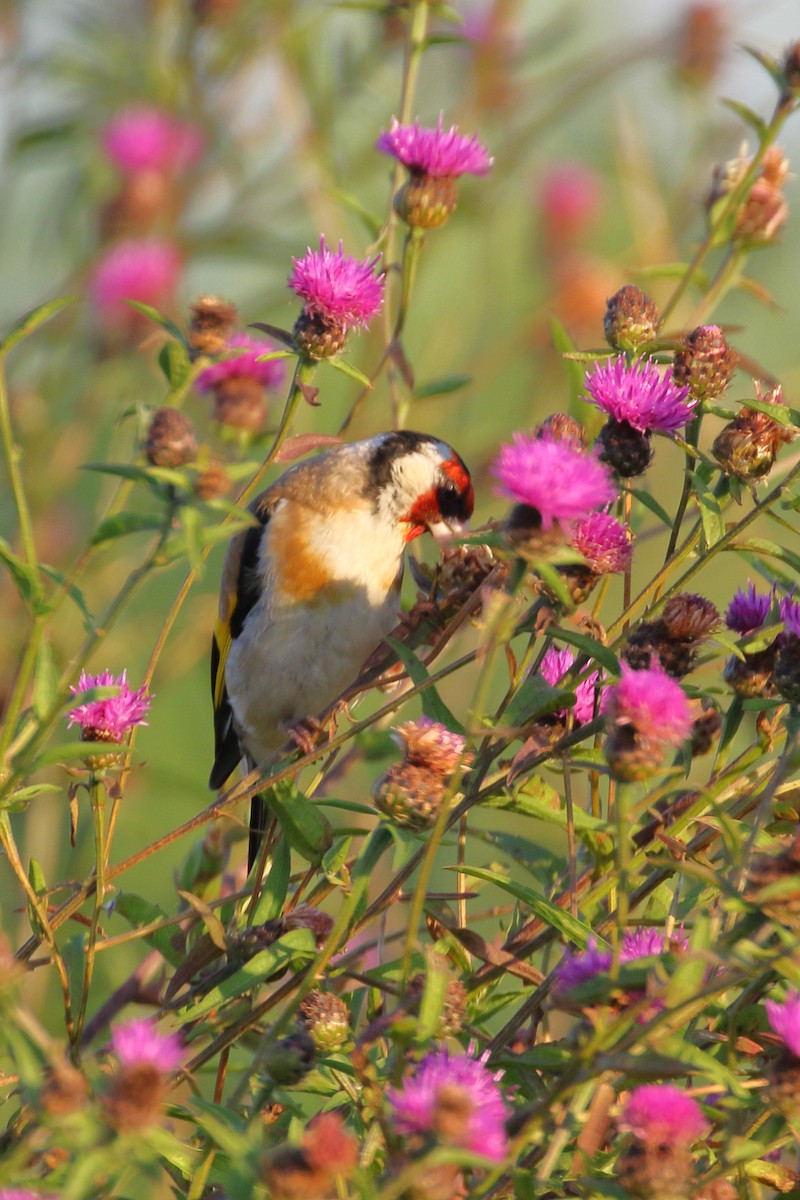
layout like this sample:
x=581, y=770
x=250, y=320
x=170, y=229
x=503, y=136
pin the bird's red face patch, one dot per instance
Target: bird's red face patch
x=423, y=512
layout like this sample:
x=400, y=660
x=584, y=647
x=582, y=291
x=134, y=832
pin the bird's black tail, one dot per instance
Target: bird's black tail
x=258, y=827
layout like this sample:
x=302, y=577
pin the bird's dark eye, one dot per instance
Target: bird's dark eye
x=451, y=502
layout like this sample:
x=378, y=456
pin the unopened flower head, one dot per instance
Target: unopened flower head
x=339, y=293
x=143, y=138
x=436, y=152
x=631, y=319
x=109, y=720
x=142, y=269
x=604, y=542
x=457, y=1098
x=554, y=667
x=663, y=1114
x=704, y=363
x=652, y=703
x=749, y=609
x=784, y=1019
x=429, y=743
x=640, y=394
x=556, y=478
x=138, y=1043
x=243, y=363
x=762, y=213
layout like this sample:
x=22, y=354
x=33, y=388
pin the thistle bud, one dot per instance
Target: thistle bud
x=212, y=482
x=631, y=319
x=411, y=793
x=751, y=677
x=702, y=42
x=561, y=427
x=426, y=202
x=705, y=730
x=791, y=70
x=773, y=883
x=239, y=403
x=451, y=1020
x=764, y=210
x=704, y=363
x=786, y=674
x=170, y=439
x=627, y=451
x=307, y=917
x=327, y=1020
x=212, y=322
x=288, y=1060
x=65, y=1090
x=317, y=337
x=748, y=445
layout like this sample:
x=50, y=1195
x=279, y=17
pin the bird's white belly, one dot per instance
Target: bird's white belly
x=296, y=662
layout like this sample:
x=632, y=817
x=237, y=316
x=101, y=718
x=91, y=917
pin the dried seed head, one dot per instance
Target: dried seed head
x=213, y=482
x=451, y=1021
x=239, y=403
x=631, y=319
x=630, y=756
x=786, y=674
x=791, y=69
x=751, y=677
x=212, y=321
x=409, y=795
x=702, y=42
x=649, y=638
x=327, y=1019
x=431, y=745
x=658, y=1171
x=563, y=428
x=705, y=731
x=135, y=1098
x=748, y=445
x=764, y=211
x=64, y=1091
x=170, y=440
x=305, y=916
x=704, y=363
x=688, y=617
x=627, y=451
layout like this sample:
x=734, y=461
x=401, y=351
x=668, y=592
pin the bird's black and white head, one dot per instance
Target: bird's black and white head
x=420, y=482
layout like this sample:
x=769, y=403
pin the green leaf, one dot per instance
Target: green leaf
x=536, y=698
x=154, y=315
x=173, y=359
x=305, y=827
x=191, y=525
x=748, y=116
x=650, y=502
x=673, y=270
x=567, y=925
x=297, y=945
x=32, y=320
x=442, y=386
x=768, y=61
x=275, y=886
x=74, y=592
x=139, y=913
x=39, y=885
x=565, y=346
x=45, y=680
x=371, y=223
x=588, y=646
x=68, y=751
x=432, y=704
x=431, y=1004
x=346, y=368
x=710, y=509
x=123, y=523
x=156, y=477
x=333, y=863
x=538, y=799
x=25, y=577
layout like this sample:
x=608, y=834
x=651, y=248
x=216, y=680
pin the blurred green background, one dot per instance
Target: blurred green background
x=605, y=123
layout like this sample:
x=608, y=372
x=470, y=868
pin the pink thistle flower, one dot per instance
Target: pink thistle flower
x=640, y=395
x=645, y=941
x=661, y=1114
x=339, y=289
x=457, y=1097
x=144, y=269
x=652, y=703
x=109, y=720
x=143, y=138
x=437, y=153
x=749, y=609
x=138, y=1043
x=790, y=615
x=784, y=1020
x=556, y=478
x=604, y=542
x=243, y=364
x=22, y=1194
x=569, y=199
x=554, y=667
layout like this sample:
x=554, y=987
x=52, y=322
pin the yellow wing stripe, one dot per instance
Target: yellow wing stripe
x=222, y=636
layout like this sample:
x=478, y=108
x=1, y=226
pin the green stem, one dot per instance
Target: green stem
x=13, y=454
x=97, y=797
x=692, y=437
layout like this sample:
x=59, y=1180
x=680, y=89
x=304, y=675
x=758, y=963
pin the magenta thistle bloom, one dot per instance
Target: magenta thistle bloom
x=144, y=269
x=604, y=542
x=444, y=1083
x=749, y=609
x=784, y=1020
x=645, y=941
x=336, y=287
x=22, y=1194
x=243, y=364
x=661, y=1114
x=556, y=478
x=109, y=720
x=650, y=701
x=437, y=153
x=790, y=615
x=142, y=138
x=640, y=394
x=554, y=667
x=138, y=1043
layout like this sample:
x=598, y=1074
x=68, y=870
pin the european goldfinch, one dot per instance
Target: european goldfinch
x=313, y=589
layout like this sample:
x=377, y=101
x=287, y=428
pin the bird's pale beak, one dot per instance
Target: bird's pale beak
x=445, y=531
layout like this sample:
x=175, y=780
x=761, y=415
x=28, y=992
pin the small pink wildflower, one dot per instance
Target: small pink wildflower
x=554, y=667
x=143, y=138
x=784, y=1020
x=604, y=542
x=639, y=394
x=569, y=200
x=556, y=478
x=109, y=720
x=144, y=269
x=661, y=1114
x=650, y=701
x=442, y=1080
x=336, y=287
x=435, y=152
x=138, y=1043
x=243, y=363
